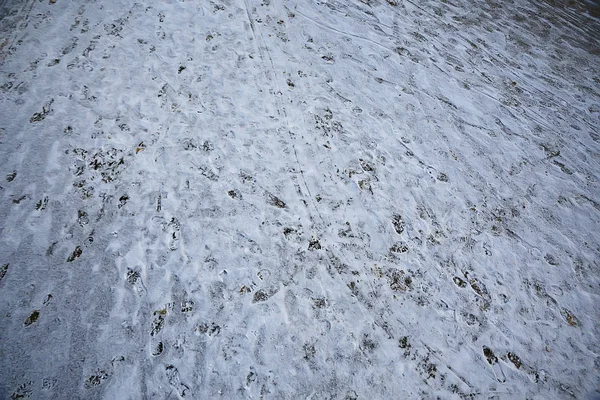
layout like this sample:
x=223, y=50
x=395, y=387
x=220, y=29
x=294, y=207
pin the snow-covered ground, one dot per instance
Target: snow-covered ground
x=375, y=199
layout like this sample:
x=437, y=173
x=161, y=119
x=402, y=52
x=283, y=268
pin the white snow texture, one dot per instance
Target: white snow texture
x=302, y=199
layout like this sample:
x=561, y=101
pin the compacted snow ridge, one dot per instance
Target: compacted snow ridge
x=299, y=199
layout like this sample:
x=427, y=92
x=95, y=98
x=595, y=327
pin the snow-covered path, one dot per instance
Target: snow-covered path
x=299, y=199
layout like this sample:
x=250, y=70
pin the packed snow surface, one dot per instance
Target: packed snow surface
x=374, y=199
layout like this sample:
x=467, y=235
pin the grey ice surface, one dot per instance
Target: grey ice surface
x=299, y=199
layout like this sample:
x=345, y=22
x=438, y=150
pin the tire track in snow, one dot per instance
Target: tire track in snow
x=280, y=105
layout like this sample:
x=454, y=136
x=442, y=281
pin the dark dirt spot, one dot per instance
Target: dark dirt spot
x=319, y=302
x=123, y=200
x=42, y=204
x=309, y=351
x=480, y=289
x=132, y=276
x=261, y=295
x=351, y=395
x=140, y=147
x=276, y=201
x=11, y=177
x=96, y=379
x=489, y=355
x=3, y=271
x=208, y=174
x=246, y=178
x=563, y=168
x=157, y=325
x=353, y=288
x=399, y=248
x=431, y=370
x=245, y=289
x=470, y=319
x=235, y=194
x=20, y=199
x=402, y=51
x=314, y=244
x=187, y=306
x=207, y=146
x=50, y=250
x=23, y=391
x=571, y=319
x=116, y=360
x=251, y=377
x=172, y=374
x=347, y=232
x=46, y=109
x=434, y=238
x=189, y=144
x=365, y=184
x=398, y=280
x=32, y=318
x=82, y=218
x=442, y=177
x=161, y=311
x=403, y=342
x=158, y=349
x=550, y=150
x=209, y=329
x=459, y=282
x=514, y=359
x=550, y=259
x=398, y=223
x=366, y=166
x=75, y=254
x=367, y=344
